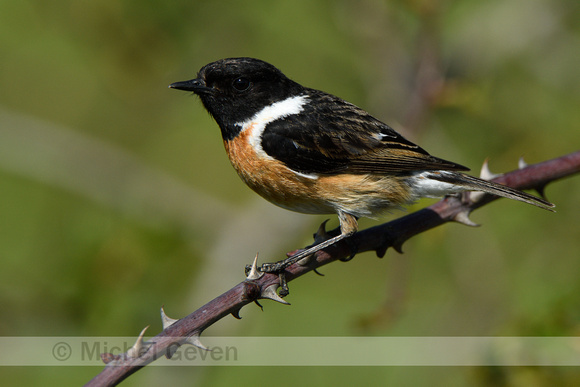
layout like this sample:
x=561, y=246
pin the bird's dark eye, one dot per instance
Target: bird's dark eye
x=241, y=84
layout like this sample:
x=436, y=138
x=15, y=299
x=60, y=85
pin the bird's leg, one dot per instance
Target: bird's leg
x=348, y=226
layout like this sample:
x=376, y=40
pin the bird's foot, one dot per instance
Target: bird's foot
x=322, y=240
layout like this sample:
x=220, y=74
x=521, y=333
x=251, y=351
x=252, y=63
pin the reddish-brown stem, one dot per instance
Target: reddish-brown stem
x=378, y=239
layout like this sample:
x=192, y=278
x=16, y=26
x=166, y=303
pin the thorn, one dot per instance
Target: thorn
x=270, y=293
x=540, y=191
x=398, y=246
x=522, y=163
x=138, y=349
x=463, y=218
x=236, y=314
x=260, y=305
x=319, y=273
x=254, y=273
x=321, y=235
x=475, y=196
x=382, y=249
x=166, y=321
x=195, y=341
x=171, y=350
x=485, y=173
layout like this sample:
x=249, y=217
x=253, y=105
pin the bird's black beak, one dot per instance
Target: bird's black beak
x=197, y=86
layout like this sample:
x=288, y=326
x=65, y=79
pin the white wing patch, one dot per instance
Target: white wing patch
x=277, y=110
x=270, y=113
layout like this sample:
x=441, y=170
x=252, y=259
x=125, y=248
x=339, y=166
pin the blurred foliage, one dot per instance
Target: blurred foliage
x=117, y=196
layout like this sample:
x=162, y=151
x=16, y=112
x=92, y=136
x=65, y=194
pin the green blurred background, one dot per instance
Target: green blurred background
x=117, y=196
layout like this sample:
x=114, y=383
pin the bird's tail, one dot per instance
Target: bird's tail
x=470, y=183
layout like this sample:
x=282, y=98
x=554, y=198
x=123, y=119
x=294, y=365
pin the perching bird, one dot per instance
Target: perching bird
x=309, y=151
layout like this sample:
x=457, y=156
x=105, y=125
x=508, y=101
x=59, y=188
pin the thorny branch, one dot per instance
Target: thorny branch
x=378, y=239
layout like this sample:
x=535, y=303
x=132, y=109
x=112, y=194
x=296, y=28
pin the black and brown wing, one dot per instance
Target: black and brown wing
x=332, y=136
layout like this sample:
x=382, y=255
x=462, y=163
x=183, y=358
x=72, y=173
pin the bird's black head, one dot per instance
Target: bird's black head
x=234, y=89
